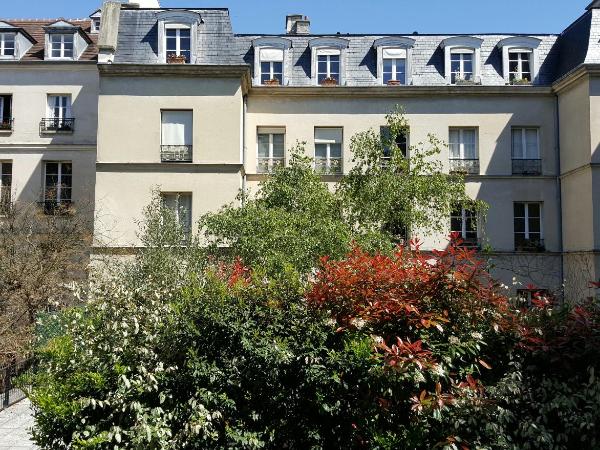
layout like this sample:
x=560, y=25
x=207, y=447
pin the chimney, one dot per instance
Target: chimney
x=297, y=24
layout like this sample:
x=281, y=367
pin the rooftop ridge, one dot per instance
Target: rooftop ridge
x=55, y=19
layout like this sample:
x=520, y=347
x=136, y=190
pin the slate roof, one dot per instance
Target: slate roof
x=35, y=28
x=138, y=37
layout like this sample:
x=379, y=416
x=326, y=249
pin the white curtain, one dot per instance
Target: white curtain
x=517, y=144
x=177, y=127
x=394, y=53
x=271, y=54
x=531, y=144
x=469, y=144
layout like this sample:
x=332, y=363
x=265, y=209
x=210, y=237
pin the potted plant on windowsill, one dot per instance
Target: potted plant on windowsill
x=460, y=81
x=394, y=83
x=520, y=82
x=273, y=82
x=175, y=59
x=329, y=81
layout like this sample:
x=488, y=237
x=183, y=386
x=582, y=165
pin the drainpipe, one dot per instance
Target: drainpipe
x=243, y=155
x=559, y=187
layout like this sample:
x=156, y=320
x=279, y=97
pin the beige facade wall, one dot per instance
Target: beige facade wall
x=28, y=149
x=129, y=167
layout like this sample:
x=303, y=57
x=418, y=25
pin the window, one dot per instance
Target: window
x=178, y=42
x=176, y=136
x=180, y=204
x=58, y=117
x=271, y=66
x=462, y=56
x=401, y=142
x=519, y=65
x=5, y=185
x=461, y=66
x=328, y=150
x=5, y=112
x=526, y=151
x=528, y=226
x=463, y=150
x=7, y=44
x=271, y=150
x=463, y=222
x=96, y=24
x=394, y=71
x=328, y=67
x=58, y=185
x=61, y=46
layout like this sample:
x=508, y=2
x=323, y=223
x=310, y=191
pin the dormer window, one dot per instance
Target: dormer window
x=519, y=59
x=7, y=45
x=328, y=55
x=61, y=46
x=178, y=42
x=269, y=61
x=394, y=56
x=461, y=65
x=177, y=34
x=462, y=55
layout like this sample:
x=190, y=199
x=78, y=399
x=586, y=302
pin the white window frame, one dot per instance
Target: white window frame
x=394, y=43
x=271, y=160
x=523, y=132
x=62, y=46
x=96, y=24
x=526, y=218
x=187, y=227
x=173, y=19
x=395, y=69
x=328, y=56
x=268, y=43
x=463, y=217
x=178, y=27
x=3, y=35
x=328, y=158
x=463, y=54
x=519, y=73
x=520, y=44
x=58, y=182
x=461, y=142
x=65, y=112
x=462, y=44
x=328, y=46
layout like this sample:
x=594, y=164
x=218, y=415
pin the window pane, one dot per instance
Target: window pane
x=321, y=150
x=171, y=32
x=184, y=33
x=519, y=225
x=534, y=225
x=335, y=150
x=519, y=209
x=177, y=127
x=277, y=68
x=456, y=224
x=534, y=210
x=67, y=169
x=263, y=145
x=387, y=65
x=531, y=142
x=517, y=143
x=278, y=145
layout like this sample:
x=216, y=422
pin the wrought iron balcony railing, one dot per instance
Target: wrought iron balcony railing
x=176, y=153
x=469, y=242
x=529, y=245
x=527, y=166
x=267, y=165
x=6, y=124
x=57, y=125
x=331, y=166
x=464, y=166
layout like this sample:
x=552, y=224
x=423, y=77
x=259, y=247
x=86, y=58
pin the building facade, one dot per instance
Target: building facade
x=188, y=108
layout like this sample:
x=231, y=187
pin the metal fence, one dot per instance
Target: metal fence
x=9, y=393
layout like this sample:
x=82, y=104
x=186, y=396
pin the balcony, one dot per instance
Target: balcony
x=176, y=153
x=527, y=166
x=529, y=245
x=331, y=166
x=6, y=125
x=57, y=125
x=268, y=165
x=464, y=166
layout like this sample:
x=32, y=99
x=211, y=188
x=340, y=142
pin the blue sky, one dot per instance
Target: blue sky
x=355, y=16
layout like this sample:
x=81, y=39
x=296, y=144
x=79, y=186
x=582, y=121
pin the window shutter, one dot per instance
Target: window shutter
x=328, y=51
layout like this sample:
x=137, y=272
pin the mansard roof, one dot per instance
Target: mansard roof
x=36, y=31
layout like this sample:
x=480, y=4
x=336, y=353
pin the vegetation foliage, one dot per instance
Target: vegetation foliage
x=315, y=331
